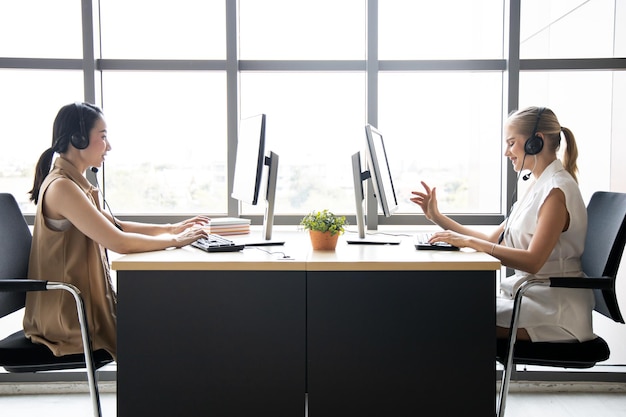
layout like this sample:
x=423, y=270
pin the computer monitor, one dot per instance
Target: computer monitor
x=250, y=159
x=380, y=174
x=250, y=163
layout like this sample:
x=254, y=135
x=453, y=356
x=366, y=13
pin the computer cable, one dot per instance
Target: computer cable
x=513, y=198
x=285, y=256
x=95, y=171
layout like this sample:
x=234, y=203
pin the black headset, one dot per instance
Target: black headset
x=534, y=144
x=80, y=140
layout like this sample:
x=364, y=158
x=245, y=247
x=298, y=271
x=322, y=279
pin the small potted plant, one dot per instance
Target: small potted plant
x=324, y=228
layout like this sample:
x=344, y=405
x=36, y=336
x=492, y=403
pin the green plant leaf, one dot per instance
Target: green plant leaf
x=324, y=221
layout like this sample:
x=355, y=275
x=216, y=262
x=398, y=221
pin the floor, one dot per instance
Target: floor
x=567, y=404
x=520, y=404
x=55, y=405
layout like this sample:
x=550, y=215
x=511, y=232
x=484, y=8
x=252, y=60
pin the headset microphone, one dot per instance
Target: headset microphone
x=513, y=197
x=532, y=146
x=95, y=171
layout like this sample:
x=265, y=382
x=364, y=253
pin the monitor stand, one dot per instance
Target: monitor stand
x=358, y=177
x=268, y=218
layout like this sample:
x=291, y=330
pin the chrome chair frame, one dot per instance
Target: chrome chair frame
x=595, y=283
x=13, y=267
x=600, y=263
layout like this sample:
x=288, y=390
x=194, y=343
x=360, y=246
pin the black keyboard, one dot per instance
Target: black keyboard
x=421, y=242
x=216, y=243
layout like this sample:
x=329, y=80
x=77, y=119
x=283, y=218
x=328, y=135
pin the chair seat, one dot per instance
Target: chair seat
x=566, y=355
x=19, y=354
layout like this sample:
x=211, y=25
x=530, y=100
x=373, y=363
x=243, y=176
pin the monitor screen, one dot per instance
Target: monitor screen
x=250, y=159
x=380, y=172
x=248, y=182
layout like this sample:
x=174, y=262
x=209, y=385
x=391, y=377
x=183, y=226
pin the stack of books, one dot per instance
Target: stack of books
x=229, y=226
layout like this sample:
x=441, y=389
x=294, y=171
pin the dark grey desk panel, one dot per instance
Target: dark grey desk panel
x=211, y=343
x=401, y=343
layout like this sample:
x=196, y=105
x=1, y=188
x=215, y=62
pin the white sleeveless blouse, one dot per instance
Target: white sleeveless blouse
x=549, y=314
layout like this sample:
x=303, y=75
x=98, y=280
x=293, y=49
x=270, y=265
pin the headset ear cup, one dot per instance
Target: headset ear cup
x=533, y=145
x=79, y=141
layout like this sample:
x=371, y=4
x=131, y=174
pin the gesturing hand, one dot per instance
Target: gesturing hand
x=427, y=200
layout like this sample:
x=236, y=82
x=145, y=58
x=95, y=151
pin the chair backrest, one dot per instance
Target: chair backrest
x=15, y=241
x=606, y=235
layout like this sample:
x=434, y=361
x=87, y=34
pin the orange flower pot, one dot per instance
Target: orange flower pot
x=323, y=240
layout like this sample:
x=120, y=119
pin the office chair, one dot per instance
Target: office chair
x=17, y=352
x=604, y=245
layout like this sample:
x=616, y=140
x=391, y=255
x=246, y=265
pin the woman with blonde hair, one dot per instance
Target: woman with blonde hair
x=543, y=235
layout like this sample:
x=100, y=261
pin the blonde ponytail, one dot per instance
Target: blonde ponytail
x=571, y=153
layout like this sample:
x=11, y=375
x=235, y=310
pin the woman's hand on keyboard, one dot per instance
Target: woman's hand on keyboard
x=453, y=238
x=180, y=227
x=188, y=236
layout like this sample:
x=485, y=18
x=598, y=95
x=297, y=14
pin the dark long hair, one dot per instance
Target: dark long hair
x=66, y=123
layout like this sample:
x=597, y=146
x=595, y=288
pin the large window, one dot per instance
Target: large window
x=567, y=46
x=436, y=77
x=168, y=137
x=29, y=102
x=288, y=30
x=160, y=29
x=40, y=29
x=569, y=29
x=443, y=29
x=315, y=122
x=590, y=121
x=444, y=129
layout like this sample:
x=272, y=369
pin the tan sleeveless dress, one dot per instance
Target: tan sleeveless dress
x=71, y=257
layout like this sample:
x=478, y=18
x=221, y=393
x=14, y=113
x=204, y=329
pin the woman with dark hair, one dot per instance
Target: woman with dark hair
x=72, y=232
x=543, y=236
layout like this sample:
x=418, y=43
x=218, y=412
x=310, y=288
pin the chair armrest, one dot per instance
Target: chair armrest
x=557, y=282
x=589, y=283
x=22, y=285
